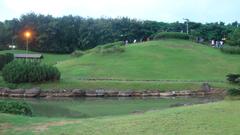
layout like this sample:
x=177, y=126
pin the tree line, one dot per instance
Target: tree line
x=68, y=33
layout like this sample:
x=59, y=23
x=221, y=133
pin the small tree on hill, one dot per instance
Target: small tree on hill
x=235, y=38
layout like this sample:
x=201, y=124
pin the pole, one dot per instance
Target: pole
x=187, y=21
x=26, y=50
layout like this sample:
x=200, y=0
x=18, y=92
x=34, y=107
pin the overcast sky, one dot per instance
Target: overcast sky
x=158, y=10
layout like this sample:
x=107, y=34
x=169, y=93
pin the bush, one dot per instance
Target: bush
x=235, y=38
x=231, y=49
x=5, y=59
x=20, y=71
x=14, y=107
x=78, y=53
x=171, y=35
x=233, y=78
x=110, y=48
x=234, y=92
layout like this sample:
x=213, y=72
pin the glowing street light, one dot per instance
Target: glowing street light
x=27, y=35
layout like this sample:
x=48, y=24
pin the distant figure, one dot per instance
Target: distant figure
x=213, y=43
x=221, y=44
x=126, y=42
x=134, y=41
x=217, y=44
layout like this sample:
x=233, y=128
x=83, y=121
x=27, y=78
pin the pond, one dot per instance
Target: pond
x=96, y=107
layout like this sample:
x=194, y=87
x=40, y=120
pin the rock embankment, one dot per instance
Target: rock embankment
x=36, y=92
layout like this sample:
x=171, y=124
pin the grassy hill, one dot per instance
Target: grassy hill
x=186, y=63
x=155, y=60
x=208, y=119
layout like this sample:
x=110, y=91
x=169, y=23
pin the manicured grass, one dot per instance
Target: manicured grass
x=155, y=60
x=208, y=119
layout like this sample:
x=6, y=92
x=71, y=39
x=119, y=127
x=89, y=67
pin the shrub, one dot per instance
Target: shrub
x=14, y=107
x=5, y=59
x=20, y=71
x=171, y=35
x=78, y=53
x=233, y=78
x=231, y=49
x=110, y=48
x=235, y=38
x=233, y=92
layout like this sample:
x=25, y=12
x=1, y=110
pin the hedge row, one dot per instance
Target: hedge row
x=21, y=71
x=171, y=35
x=231, y=49
x=110, y=48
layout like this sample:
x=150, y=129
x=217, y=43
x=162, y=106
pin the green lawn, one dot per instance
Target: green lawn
x=207, y=119
x=155, y=60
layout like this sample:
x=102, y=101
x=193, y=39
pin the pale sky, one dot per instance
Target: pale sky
x=157, y=10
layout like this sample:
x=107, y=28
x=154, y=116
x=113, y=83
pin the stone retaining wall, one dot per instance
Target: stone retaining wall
x=36, y=92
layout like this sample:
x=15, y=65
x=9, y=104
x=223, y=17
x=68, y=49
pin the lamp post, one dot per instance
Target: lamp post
x=27, y=35
x=187, y=21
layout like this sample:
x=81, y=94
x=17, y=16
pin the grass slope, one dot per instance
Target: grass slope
x=155, y=60
x=208, y=119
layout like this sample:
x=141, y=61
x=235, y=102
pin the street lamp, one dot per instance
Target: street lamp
x=187, y=21
x=27, y=35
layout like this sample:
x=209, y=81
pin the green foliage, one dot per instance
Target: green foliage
x=20, y=71
x=234, y=92
x=110, y=48
x=231, y=49
x=78, y=53
x=15, y=107
x=5, y=59
x=69, y=33
x=235, y=38
x=171, y=35
x=233, y=78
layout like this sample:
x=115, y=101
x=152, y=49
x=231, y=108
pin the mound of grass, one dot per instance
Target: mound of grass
x=154, y=60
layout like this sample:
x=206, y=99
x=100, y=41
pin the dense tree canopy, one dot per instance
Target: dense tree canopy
x=68, y=33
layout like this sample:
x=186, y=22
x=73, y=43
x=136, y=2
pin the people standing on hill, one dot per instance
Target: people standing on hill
x=126, y=42
x=221, y=44
x=213, y=43
x=217, y=44
x=134, y=41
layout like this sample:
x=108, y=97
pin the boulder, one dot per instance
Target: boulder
x=111, y=93
x=166, y=94
x=4, y=92
x=91, y=94
x=16, y=93
x=34, y=92
x=78, y=93
x=137, y=94
x=206, y=87
x=124, y=94
x=100, y=93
